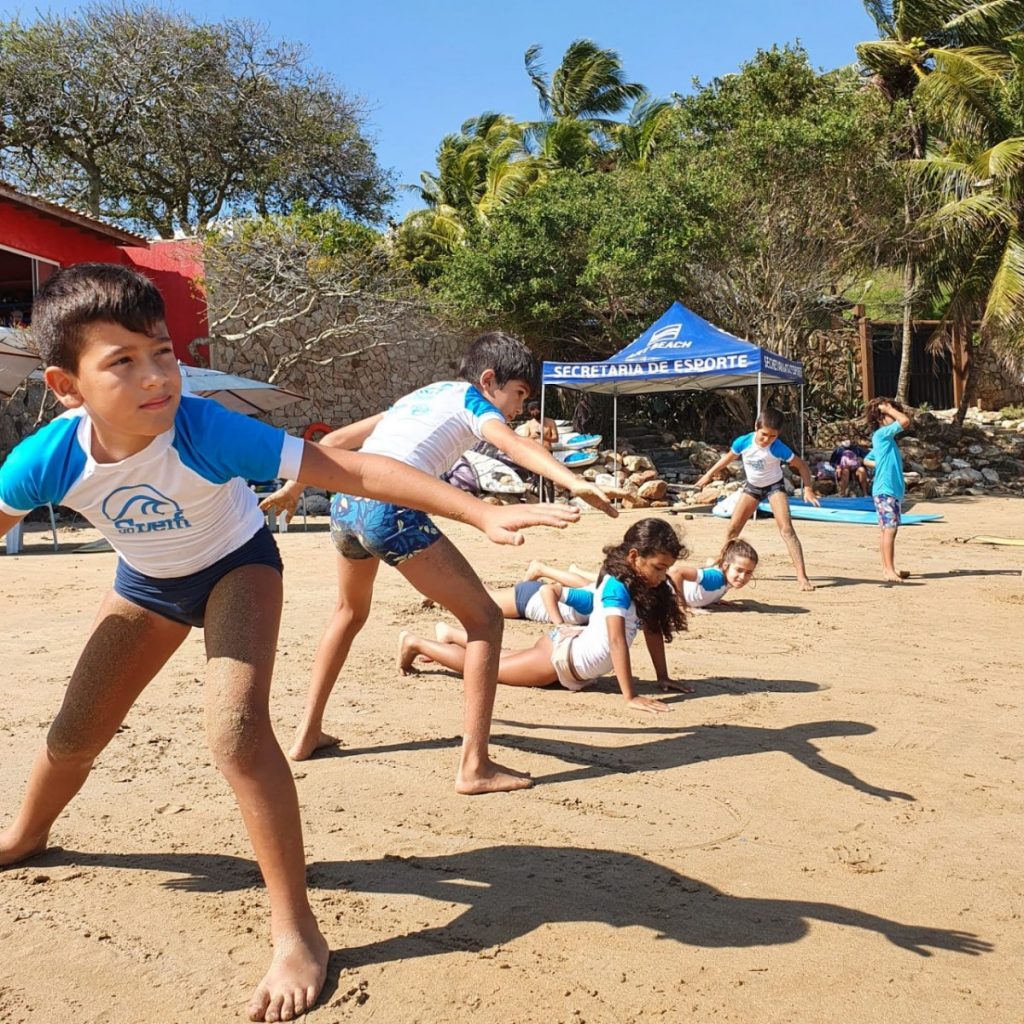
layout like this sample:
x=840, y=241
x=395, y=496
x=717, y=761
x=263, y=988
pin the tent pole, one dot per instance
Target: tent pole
x=540, y=479
x=615, y=436
x=758, y=393
x=801, y=421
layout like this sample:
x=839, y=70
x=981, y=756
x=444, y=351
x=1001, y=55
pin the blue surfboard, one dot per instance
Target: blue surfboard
x=845, y=510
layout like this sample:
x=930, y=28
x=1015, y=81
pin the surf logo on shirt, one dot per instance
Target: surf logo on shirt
x=141, y=508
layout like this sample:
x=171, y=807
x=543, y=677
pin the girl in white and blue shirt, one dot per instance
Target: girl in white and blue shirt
x=632, y=593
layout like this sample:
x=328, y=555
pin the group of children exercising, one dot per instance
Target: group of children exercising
x=163, y=477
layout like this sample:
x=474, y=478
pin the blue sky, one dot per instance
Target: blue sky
x=424, y=68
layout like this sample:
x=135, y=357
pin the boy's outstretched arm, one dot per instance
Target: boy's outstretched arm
x=535, y=457
x=810, y=495
x=376, y=476
x=285, y=500
x=729, y=456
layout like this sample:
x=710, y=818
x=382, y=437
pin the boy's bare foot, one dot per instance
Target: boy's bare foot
x=406, y=654
x=491, y=778
x=16, y=848
x=895, y=577
x=305, y=745
x=806, y=585
x=295, y=978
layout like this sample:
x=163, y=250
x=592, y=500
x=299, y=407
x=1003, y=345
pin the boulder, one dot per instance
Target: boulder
x=653, y=490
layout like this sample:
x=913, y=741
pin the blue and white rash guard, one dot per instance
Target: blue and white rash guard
x=176, y=507
x=763, y=466
x=432, y=427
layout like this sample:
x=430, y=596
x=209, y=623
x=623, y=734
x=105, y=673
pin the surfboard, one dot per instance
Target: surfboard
x=1012, y=542
x=576, y=459
x=494, y=475
x=845, y=510
x=574, y=442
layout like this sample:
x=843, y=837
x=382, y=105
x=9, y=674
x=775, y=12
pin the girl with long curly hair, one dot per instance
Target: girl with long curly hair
x=632, y=593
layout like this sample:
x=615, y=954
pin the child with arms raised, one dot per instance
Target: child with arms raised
x=430, y=429
x=162, y=476
x=763, y=455
x=632, y=594
x=886, y=419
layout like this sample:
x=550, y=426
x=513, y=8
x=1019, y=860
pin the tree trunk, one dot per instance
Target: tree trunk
x=907, y=348
x=976, y=356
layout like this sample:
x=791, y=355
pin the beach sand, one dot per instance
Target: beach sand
x=830, y=829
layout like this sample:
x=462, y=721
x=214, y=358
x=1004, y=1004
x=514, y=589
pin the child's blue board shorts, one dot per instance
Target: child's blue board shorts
x=183, y=598
x=367, y=528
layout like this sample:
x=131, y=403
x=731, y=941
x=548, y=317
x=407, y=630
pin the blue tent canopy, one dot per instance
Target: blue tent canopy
x=679, y=351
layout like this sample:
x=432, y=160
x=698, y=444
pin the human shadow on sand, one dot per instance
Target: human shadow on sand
x=509, y=891
x=679, y=746
x=676, y=747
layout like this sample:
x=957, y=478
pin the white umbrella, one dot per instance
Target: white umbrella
x=16, y=363
x=238, y=393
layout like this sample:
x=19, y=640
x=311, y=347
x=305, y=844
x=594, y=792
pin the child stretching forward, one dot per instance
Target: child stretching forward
x=430, y=429
x=632, y=594
x=162, y=477
x=699, y=588
x=886, y=419
x=763, y=455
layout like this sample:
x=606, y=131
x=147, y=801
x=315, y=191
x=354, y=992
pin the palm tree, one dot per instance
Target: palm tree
x=637, y=141
x=978, y=178
x=578, y=102
x=479, y=170
x=934, y=55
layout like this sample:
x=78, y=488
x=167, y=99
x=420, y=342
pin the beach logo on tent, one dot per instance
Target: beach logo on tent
x=664, y=338
x=141, y=508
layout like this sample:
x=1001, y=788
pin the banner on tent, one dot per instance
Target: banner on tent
x=689, y=365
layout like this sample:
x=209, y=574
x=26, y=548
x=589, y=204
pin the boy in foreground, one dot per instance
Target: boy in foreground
x=430, y=429
x=163, y=479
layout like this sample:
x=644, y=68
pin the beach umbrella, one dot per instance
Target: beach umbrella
x=239, y=393
x=16, y=363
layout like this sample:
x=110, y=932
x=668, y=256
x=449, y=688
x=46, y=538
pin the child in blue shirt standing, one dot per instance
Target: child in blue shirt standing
x=886, y=419
x=763, y=455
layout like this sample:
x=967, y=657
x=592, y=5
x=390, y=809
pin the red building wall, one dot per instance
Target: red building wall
x=174, y=266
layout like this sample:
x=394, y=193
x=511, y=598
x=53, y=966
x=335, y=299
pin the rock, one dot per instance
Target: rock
x=643, y=475
x=590, y=474
x=317, y=505
x=635, y=501
x=634, y=463
x=990, y=475
x=927, y=488
x=959, y=464
x=966, y=476
x=653, y=490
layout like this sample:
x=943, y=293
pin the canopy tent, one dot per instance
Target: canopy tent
x=680, y=351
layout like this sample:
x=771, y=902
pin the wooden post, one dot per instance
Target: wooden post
x=959, y=363
x=867, y=359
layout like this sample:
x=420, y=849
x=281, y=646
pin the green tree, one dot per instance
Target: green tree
x=976, y=260
x=933, y=55
x=582, y=262
x=578, y=102
x=480, y=170
x=139, y=113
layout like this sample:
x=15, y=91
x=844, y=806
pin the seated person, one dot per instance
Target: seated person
x=848, y=462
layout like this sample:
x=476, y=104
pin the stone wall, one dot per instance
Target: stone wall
x=389, y=363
